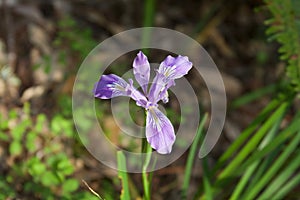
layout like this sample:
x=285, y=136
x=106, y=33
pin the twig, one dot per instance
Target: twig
x=92, y=191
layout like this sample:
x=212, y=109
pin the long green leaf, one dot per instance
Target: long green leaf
x=208, y=188
x=281, y=179
x=251, y=169
x=275, y=144
x=191, y=158
x=246, y=133
x=273, y=169
x=256, y=94
x=285, y=189
x=122, y=172
x=253, y=142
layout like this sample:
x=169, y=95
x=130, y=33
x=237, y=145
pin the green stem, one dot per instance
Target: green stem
x=146, y=150
x=149, y=11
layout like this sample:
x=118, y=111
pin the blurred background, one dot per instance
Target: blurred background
x=42, y=44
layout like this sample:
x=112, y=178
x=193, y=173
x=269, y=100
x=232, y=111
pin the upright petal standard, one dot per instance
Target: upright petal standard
x=141, y=70
x=159, y=130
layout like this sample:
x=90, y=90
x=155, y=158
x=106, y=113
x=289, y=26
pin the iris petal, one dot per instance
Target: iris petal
x=111, y=86
x=175, y=68
x=170, y=69
x=159, y=131
x=141, y=70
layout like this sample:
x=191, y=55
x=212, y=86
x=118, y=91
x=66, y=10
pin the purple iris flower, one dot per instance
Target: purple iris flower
x=159, y=130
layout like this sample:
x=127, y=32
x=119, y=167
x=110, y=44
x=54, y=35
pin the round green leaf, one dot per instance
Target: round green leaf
x=70, y=185
x=15, y=148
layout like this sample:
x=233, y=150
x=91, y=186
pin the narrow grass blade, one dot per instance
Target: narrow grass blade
x=251, y=169
x=285, y=189
x=253, y=142
x=125, y=194
x=191, y=158
x=276, y=143
x=208, y=188
x=256, y=94
x=265, y=164
x=281, y=179
x=273, y=169
x=246, y=133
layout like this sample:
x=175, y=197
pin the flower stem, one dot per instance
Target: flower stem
x=146, y=150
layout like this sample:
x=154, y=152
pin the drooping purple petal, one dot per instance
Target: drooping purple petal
x=174, y=68
x=159, y=131
x=141, y=70
x=111, y=86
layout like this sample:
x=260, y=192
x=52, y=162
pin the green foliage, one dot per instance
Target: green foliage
x=62, y=126
x=261, y=161
x=125, y=194
x=284, y=27
x=73, y=39
x=40, y=163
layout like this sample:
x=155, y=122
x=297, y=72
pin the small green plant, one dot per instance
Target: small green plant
x=40, y=166
x=73, y=40
x=262, y=163
x=284, y=27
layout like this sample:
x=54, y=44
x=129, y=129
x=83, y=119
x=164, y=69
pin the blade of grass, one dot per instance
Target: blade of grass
x=275, y=144
x=207, y=180
x=273, y=149
x=285, y=189
x=191, y=158
x=234, y=147
x=281, y=179
x=125, y=194
x=246, y=133
x=253, y=142
x=250, y=170
x=256, y=94
x=263, y=167
x=273, y=169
